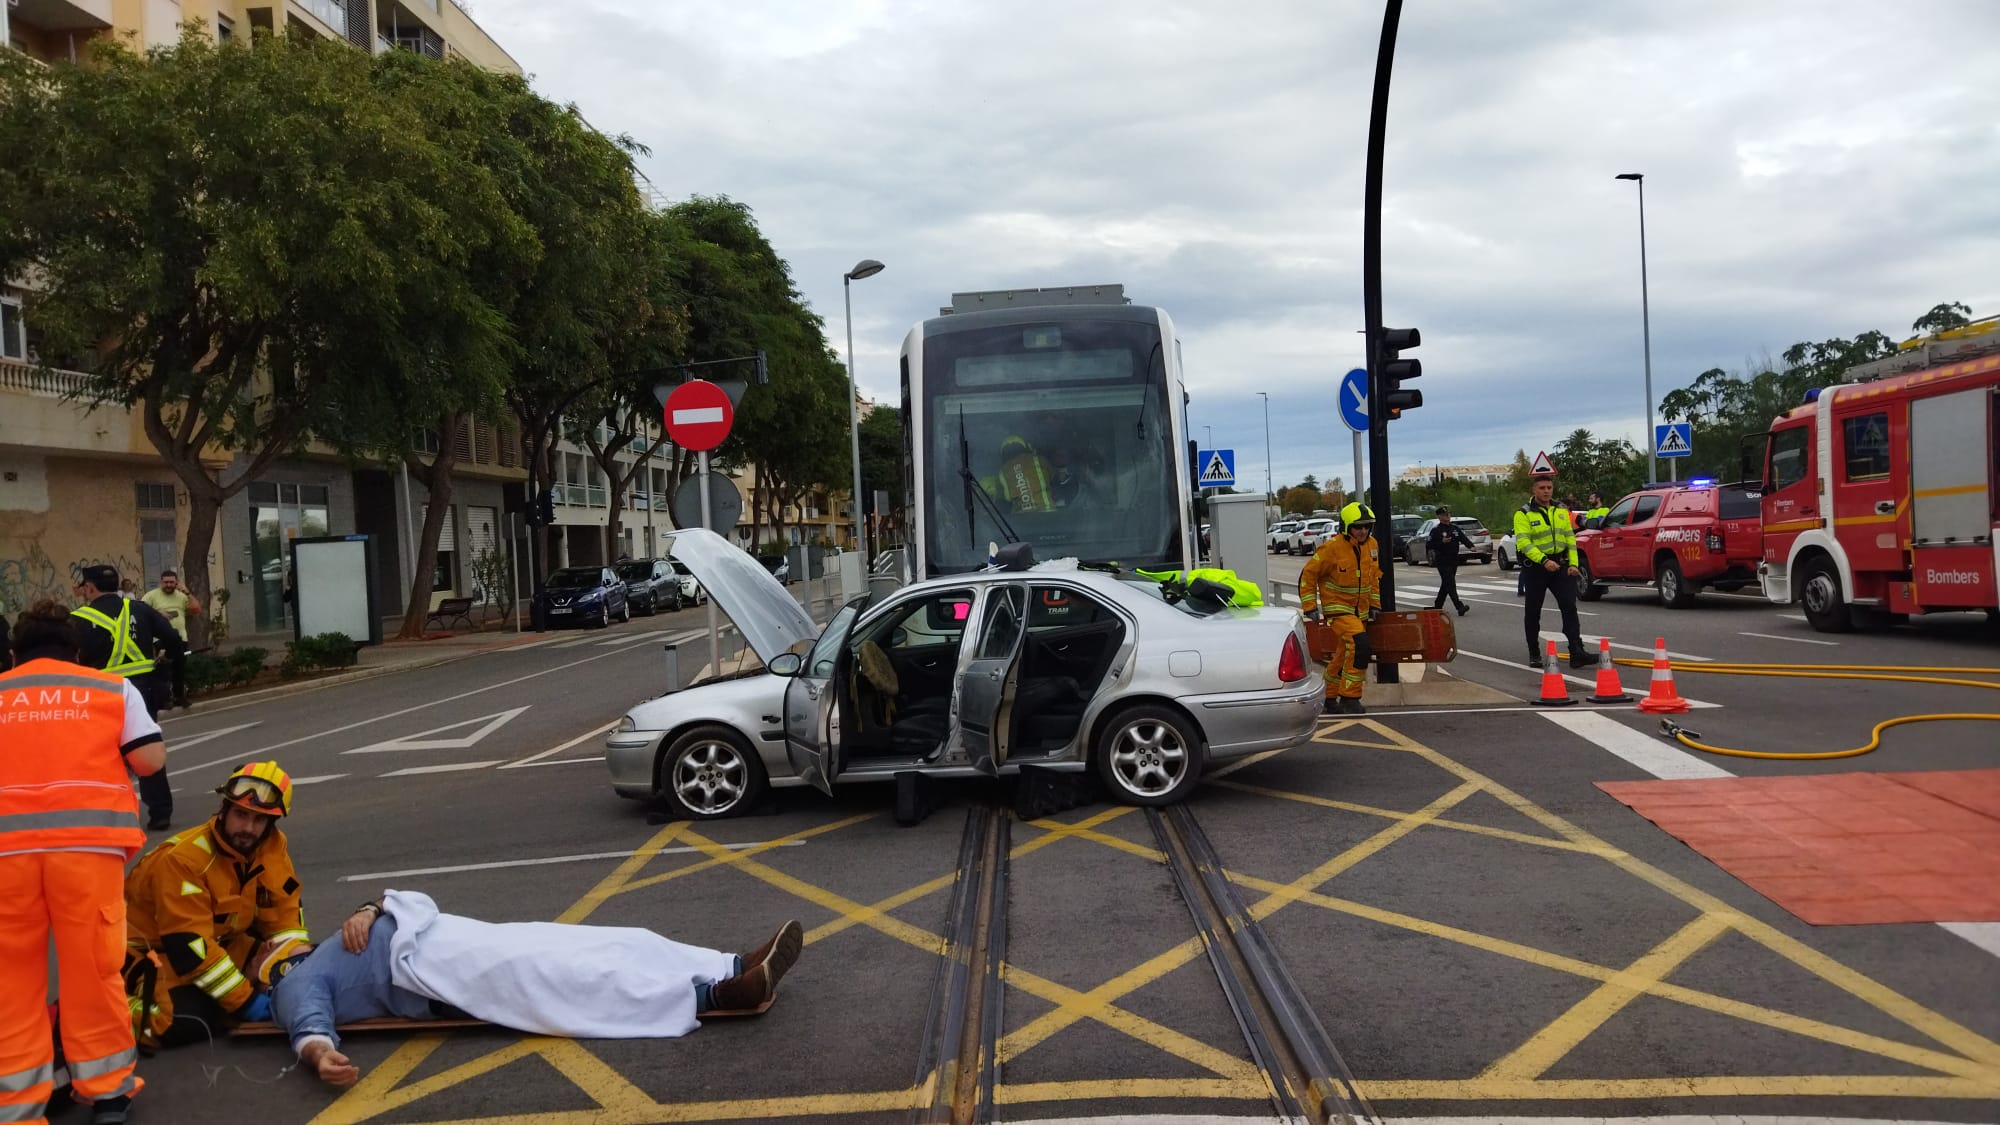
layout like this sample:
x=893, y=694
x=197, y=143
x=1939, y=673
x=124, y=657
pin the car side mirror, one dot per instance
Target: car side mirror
x=787, y=664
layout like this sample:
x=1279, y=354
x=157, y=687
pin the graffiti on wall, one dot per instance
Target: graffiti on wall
x=32, y=574
x=28, y=576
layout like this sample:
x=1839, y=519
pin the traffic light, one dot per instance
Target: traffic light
x=1394, y=371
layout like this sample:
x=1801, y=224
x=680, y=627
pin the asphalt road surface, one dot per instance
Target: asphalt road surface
x=1476, y=929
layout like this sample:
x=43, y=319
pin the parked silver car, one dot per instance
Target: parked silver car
x=964, y=676
x=1418, y=548
x=1279, y=538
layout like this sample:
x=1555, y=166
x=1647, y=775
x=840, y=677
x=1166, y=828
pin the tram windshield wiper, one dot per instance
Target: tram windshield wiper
x=974, y=488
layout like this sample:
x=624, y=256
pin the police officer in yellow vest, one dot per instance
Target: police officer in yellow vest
x=125, y=636
x=1546, y=542
x=1597, y=510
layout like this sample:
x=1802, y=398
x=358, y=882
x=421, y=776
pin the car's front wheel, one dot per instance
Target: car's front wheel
x=1149, y=755
x=709, y=773
x=1585, y=588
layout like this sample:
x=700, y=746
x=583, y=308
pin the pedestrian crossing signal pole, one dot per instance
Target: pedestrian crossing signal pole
x=1371, y=295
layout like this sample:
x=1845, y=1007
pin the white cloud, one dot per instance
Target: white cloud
x=1814, y=168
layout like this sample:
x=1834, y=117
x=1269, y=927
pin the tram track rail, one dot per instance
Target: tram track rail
x=958, y=1072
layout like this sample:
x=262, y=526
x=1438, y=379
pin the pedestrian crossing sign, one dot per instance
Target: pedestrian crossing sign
x=1673, y=439
x=1218, y=468
x=1543, y=467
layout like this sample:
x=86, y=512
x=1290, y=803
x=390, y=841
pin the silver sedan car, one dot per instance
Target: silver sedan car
x=966, y=676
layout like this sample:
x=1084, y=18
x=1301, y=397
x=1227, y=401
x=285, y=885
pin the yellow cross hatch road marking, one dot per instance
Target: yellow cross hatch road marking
x=1965, y=1064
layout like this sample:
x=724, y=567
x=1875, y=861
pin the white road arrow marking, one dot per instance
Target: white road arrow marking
x=179, y=742
x=448, y=768
x=422, y=740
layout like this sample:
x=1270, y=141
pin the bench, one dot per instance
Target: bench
x=450, y=609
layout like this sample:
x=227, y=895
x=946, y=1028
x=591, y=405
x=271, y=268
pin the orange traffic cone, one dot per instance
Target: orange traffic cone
x=1609, y=690
x=1663, y=699
x=1555, y=693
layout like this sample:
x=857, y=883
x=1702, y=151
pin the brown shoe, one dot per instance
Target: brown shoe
x=782, y=951
x=751, y=990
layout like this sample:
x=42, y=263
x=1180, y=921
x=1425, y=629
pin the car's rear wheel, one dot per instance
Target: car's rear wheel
x=1149, y=755
x=1506, y=560
x=1676, y=592
x=709, y=773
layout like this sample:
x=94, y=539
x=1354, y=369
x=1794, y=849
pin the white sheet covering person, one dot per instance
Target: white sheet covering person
x=403, y=957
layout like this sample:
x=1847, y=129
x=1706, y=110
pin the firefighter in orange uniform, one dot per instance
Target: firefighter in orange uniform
x=68, y=823
x=201, y=902
x=1342, y=583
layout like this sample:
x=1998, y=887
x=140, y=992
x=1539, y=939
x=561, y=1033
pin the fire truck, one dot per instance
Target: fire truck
x=1882, y=494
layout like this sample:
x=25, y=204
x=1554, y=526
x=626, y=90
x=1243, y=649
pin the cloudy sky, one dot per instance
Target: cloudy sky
x=1813, y=169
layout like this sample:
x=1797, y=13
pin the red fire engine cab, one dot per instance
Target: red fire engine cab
x=1882, y=494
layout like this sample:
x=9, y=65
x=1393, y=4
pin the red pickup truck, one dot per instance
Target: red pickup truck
x=1677, y=539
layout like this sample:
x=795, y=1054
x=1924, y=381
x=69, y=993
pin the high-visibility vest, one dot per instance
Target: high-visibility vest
x=127, y=658
x=1541, y=534
x=1024, y=479
x=1242, y=593
x=63, y=781
x=1597, y=513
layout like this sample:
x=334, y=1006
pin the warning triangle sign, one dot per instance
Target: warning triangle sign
x=1674, y=442
x=1543, y=467
x=1217, y=470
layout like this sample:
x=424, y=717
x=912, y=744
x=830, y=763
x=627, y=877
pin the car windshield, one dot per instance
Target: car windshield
x=1467, y=523
x=636, y=572
x=1403, y=525
x=681, y=569
x=574, y=579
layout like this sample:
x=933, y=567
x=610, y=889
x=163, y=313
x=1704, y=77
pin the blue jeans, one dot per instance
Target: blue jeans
x=702, y=990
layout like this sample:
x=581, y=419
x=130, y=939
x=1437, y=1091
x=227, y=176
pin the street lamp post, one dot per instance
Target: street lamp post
x=1645, y=327
x=1269, y=493
x=866, y=267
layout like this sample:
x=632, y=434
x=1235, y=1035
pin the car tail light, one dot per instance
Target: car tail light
x=1715, y=541
x=1292, y=661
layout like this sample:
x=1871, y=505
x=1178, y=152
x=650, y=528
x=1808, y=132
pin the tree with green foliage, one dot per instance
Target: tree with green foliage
x=882, y=465
x=1732, y=409
x=259, y=246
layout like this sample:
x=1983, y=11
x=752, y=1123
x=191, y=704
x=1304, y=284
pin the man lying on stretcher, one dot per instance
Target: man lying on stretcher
x=401, y=957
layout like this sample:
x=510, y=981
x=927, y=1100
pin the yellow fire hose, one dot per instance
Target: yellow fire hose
x=1892, y=673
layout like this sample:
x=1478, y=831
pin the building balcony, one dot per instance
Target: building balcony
x=56, y=30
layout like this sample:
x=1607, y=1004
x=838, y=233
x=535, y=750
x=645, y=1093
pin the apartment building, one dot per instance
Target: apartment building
x=1476, y=474
x=80, y=486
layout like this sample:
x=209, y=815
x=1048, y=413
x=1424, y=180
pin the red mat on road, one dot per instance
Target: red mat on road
x=1846, y=848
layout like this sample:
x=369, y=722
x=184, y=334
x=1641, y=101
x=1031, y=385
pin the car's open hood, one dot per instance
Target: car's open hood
x=771, y=620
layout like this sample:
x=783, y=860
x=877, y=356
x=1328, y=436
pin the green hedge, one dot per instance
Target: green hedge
x=326, y=650
x=206, y=673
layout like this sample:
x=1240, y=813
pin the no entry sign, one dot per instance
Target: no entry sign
x=699, y=415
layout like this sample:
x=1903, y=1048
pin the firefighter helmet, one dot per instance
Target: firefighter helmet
x=260, y=787
x=1356, y=513
x=273, y=959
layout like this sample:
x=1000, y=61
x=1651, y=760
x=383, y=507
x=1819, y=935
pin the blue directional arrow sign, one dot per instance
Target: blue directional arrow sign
x=1217, y=468
x=1673, y=439
x=1354, y=400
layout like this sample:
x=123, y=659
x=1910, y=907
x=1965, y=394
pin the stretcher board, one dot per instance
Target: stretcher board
x=391, y=1023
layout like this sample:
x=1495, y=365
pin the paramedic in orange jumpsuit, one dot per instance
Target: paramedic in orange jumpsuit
x=68, y=822
x=1342, y=584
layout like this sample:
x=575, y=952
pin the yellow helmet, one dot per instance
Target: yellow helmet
x=260, y=787
x=271, y=960
x=1355, y=513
